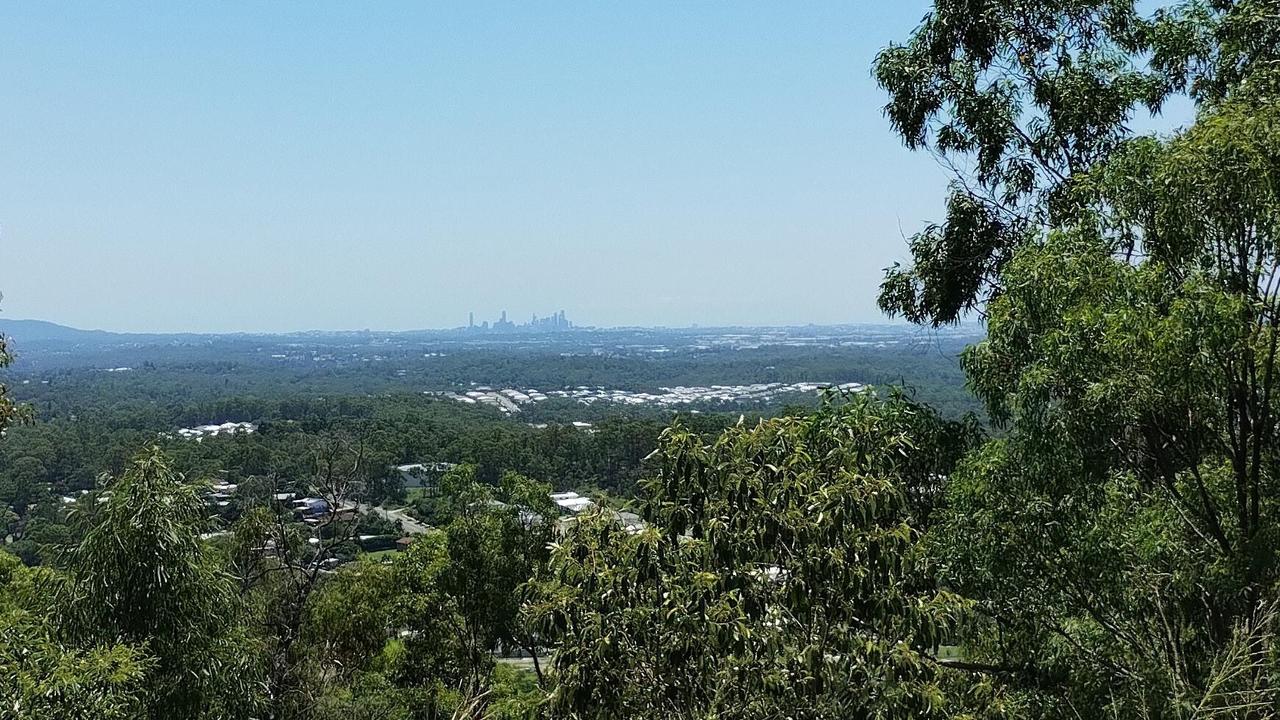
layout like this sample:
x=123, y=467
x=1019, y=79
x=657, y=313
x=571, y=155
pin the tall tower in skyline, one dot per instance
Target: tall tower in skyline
x=471, y=319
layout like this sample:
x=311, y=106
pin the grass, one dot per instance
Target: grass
x=380, y=554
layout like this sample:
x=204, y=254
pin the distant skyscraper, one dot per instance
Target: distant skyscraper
x=555, y=321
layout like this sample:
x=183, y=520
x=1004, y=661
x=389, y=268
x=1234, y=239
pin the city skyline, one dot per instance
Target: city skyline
x=556, y=321
x=276, y=167
x=8, y=323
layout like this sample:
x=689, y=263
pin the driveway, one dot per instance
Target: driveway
x=411, y=526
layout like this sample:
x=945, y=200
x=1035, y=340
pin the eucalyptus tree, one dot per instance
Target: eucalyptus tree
x=779, y=576
x=1018, y=97
x=418, y=636
x=1119, y=539
x=42, y=675
x=10, y=412
x=142, y=576
x=460, y=588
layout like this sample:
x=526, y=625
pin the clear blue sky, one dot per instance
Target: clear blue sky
x=287, y=166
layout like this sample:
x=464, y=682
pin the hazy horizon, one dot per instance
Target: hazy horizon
x=265, y=168
x=882, y=321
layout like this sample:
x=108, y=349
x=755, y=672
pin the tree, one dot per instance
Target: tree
x=494, y=549
x=1134, y=489
x=280, y=563
x=433, y=665
x=348, y=617
x=779, y=576
x=142, y=576
x=41, y=677
x=10, y=412
x=1119, y=538
x=1020, y=96
x=462, y=588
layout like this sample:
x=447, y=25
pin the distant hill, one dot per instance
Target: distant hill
x=40, y=331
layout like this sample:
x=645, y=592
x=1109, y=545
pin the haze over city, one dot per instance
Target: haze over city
x=332, y=166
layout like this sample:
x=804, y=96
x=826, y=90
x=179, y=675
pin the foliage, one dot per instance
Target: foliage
x=1019, y=97
x=10, y=412
x=349, y=617
x=1120, y=537
x=1134, y=491
x=141, y=575
x=41, y=677
x=780, y=576
x=515, y=694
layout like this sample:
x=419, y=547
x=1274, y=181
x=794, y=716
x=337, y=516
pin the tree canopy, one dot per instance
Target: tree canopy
x=1118, y=539
x=780, y=575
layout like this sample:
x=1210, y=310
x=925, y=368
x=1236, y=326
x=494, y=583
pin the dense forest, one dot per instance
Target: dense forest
x=1100, y=542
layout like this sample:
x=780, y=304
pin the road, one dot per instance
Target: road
x=411, y=526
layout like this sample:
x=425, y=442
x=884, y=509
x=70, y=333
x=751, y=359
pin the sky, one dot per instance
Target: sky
x=221, y=167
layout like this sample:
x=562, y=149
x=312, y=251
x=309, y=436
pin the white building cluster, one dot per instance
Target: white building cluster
x=221, y=493
x=510, y=400
x=200, y=432
x=572, y=504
